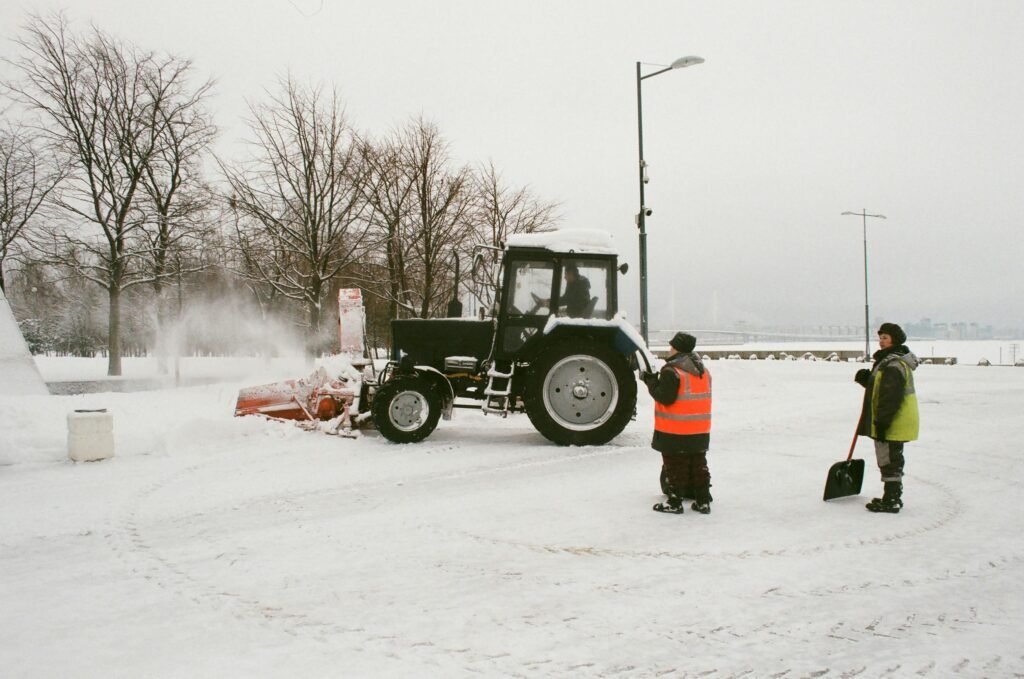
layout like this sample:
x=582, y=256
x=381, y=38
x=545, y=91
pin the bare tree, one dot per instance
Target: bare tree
x=300, y=198
x=501, y=211
x=425, y=210
x=440, y=213
x=180, y=228
x=172, y=180
x=247, y=250
x=388, y=192
x=105, y=106
x=27, y=179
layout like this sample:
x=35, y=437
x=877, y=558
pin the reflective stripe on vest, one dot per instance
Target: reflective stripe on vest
x=690, y=413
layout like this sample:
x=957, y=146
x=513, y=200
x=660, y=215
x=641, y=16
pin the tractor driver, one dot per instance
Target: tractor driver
x=576, y=294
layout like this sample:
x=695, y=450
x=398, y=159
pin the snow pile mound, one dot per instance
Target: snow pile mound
x=20, y=375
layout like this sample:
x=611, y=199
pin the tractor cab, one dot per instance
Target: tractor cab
x=540, y=283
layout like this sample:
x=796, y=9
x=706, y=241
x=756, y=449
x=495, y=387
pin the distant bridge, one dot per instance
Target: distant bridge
x=744, y=336
x=659, y=346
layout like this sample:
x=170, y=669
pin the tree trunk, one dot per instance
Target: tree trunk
x=313, y=336
x=428, y=291
x=114, y=333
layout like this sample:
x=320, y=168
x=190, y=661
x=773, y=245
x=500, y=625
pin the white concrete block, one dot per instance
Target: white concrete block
x=90, y=435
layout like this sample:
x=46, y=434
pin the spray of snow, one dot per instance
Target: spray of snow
x=227, y=327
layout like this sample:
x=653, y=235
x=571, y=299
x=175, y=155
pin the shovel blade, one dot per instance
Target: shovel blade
x=844, y=478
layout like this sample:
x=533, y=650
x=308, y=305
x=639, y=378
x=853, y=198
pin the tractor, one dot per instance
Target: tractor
x=553, y=346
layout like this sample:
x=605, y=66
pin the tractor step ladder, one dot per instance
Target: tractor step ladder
x=499, y=388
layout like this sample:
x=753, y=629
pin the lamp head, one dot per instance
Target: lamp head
x=683, y=62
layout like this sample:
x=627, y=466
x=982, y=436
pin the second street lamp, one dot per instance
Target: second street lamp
x=863, y=214
x=641, y=217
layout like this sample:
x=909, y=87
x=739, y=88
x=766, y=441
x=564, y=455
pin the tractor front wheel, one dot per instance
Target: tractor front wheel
x=580, y=393
x=406, y=409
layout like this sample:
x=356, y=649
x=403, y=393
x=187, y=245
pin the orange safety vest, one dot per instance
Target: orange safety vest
x=691, y=411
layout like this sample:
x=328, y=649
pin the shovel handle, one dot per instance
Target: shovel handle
x=853, y=444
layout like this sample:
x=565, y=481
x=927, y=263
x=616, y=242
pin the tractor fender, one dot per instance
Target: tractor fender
x=443, y=387
x=617, y=332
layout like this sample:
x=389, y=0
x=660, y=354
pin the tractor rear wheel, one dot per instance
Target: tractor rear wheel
x=406, y=409
x=580, y=393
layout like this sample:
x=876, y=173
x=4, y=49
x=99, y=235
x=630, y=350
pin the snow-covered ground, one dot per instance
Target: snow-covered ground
x=211, y=546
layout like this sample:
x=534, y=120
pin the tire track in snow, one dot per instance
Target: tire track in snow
x=167, y=573
x=130, y=545
x=949, y=511
x=543, y=458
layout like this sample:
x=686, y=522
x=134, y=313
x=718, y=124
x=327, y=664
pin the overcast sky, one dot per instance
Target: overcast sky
x=801, y=111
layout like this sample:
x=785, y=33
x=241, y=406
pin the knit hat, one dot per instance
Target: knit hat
x=683, y=343
x=894, y=331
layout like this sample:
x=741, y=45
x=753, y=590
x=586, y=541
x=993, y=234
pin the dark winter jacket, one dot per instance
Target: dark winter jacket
x=576, y=297
x=664, y=387
x=889, y=396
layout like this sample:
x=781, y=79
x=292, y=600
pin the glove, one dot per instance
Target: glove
x=881, y=429
x=862, y=377
x=649, y=378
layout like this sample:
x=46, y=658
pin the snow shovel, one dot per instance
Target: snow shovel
x=845, y=478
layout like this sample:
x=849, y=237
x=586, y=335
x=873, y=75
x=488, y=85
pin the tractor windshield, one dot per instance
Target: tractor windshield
x=530, y=288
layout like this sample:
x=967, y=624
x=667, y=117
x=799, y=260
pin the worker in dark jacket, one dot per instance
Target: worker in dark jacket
x=576, y=296
x=682, y=425
x=889, y=413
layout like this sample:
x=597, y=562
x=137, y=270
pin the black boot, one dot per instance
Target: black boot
x=701, y=500
x=891, y=501
x=673, y=506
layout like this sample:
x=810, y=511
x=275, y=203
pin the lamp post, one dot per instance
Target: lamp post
x=863, y=214
x=641, y=217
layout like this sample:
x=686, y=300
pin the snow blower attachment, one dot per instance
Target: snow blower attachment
x=846, y=477
x=320, y=397
x=325, y=399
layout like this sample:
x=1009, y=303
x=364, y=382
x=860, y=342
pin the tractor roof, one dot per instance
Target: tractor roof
x=567, y=241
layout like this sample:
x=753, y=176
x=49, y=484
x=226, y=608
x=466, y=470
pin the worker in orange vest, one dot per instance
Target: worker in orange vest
x=682, y=426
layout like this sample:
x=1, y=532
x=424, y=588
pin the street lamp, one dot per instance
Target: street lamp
x=863, y=214
x=641, y=217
